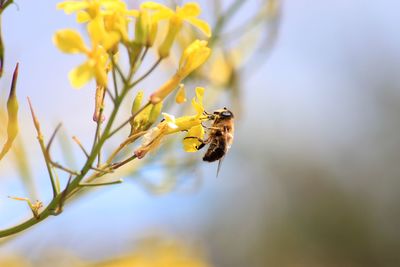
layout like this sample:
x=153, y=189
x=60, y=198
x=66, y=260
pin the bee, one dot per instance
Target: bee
x=220, y=136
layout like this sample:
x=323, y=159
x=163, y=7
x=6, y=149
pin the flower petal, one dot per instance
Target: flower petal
x=170, y=120
x=81, y=75
x=161, y=11
x=82, y=16
x=155, y=6
x=197, y=102
x=132, y=13
x=113, y=5
x=180, y=95
x=72, y=6
x=69, y=41
x=96, y=30
x=110, y=40
x=189, y=10
x=201, y=25
x=191, y=144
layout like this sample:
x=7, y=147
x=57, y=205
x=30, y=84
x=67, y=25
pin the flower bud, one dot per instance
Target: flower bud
x=175, y=24
x=141, y=27
x=12, y=110
x=154, y=113
x=151, y=37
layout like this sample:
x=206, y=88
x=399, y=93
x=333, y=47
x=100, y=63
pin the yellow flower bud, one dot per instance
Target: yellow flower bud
x=141, y=27
x=137, y=102
x=12, y=110
x=154, y=113
x=151, y=37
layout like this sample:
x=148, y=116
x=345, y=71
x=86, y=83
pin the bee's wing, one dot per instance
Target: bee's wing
x=228, y=141
x=219, y=166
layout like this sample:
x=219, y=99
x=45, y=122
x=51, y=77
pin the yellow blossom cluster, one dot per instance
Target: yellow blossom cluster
x=107, y=24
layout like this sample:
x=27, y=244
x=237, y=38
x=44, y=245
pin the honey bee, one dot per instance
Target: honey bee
x=220, y=136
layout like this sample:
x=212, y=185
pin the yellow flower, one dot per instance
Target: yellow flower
x=69, y=41
x=116, y=19
x=193, y=56
x=90, y=9
x=188, y=12
x=152, y=139
x=147, y=22
x=111, y=14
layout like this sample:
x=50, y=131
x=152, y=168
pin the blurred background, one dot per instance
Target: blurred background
x=311, y=179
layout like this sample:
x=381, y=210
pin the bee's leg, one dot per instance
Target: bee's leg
x=203, y=142
x=200, y=146
x=209, y=115
x=205, y=127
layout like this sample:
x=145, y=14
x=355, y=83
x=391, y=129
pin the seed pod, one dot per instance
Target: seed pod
x=12, y=110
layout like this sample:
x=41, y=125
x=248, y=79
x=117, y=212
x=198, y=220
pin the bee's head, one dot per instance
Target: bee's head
x=224, y=113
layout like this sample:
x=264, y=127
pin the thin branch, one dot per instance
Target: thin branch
x=102, y=184
x=63, y=197
x=147, y=73
x=52, y=137
x=144, y=54
x=119, y=164
x=116, y=67
x=114, y=76
x=103, y=171
x=223, y=19
x=48, y=155
x=43, y=148
x=80, y=145
x=110, y=94
x=128, y=141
